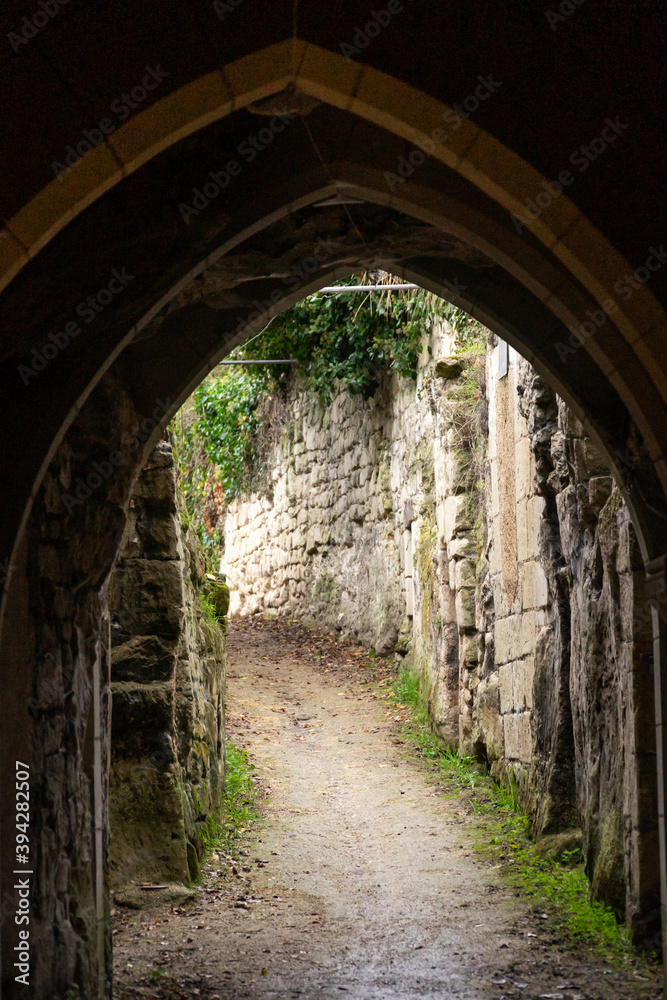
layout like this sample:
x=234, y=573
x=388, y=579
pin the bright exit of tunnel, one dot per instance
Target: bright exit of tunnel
x=118, y=299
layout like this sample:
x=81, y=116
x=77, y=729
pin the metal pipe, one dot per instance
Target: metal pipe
x=367, y=288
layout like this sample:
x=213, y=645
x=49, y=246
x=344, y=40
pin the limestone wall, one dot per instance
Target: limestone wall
x=167, y=680
x=367, y=525
x=565, y=693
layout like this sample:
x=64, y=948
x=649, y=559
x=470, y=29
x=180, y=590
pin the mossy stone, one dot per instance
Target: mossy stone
x=449, y=367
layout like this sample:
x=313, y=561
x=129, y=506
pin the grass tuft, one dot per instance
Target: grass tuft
x=239, y=804
x=562, y=890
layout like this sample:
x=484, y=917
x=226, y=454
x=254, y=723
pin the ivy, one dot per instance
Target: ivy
x=347, y=342
x=340, y=342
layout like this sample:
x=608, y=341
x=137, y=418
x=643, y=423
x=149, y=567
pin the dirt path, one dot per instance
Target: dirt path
x=362, y=879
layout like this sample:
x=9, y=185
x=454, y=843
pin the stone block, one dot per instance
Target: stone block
x=534, y=588
x=297, y=541
x=464, y=573
x=508, y=640
x=449, y=368
x=523, y=468
x=534, y=514
x=506, y=687
x=489, y=721
x=520, y=426
x=501, y=608
x=532, y=623
x=457, y=516
x=148, y=597
x=579, y=459
x=143, y=658
x=599, y=490
x=518, y=737
x=568, y=422
x=465, y=608
x=522, y=530
x=524, y=674
x=455, y=469
x=155, y=489
x=495, y=551
x=596, y=463
x=469, y=650
x=141, y=708
x=462, y=547
x=495, y=495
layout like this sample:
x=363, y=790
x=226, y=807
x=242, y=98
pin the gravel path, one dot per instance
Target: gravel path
x=362, y=879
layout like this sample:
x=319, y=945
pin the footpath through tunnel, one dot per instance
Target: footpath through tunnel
x=176, y=177
x=364, y=876
x=406, y=520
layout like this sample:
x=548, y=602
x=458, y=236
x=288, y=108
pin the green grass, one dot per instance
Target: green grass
x=239, y=805
x=207, y=608
x=562, y=890
x=462, y=772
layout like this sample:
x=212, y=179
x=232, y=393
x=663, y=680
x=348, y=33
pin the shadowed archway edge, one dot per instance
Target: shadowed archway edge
x=364, y=91
x=544, y=279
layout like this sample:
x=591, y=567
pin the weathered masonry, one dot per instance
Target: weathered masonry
x=469, y=525
x=578, y=284
x=167, y=684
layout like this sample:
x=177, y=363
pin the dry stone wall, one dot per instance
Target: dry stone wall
x=367, y=526
x=502, y=565
x=167, y=681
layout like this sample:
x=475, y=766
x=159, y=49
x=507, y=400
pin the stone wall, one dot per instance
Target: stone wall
x=467, y=524
x=167, y=681
x=365, y=498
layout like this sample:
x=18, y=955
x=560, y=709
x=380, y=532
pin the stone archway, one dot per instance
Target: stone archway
x=197, y=294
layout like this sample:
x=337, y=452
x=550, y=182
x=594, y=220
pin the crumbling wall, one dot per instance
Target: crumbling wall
x=567, y=636
x=167, y=681
x=367, y=526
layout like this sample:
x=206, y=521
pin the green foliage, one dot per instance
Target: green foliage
x=340, y=342
x=228, y=421
x=196, y=474
x=345, y=342
x=469, y=332
x=160, y=973
x=560, y=889
x=462, y=772
x=214, y=603
x=350, y=339
x=239, y=805
x=207, y=608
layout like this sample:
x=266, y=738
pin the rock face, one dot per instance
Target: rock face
x=469, y=525
x=596, y=758
x=167, y=681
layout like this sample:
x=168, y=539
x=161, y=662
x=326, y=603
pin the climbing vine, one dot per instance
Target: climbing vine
x=338, y=342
